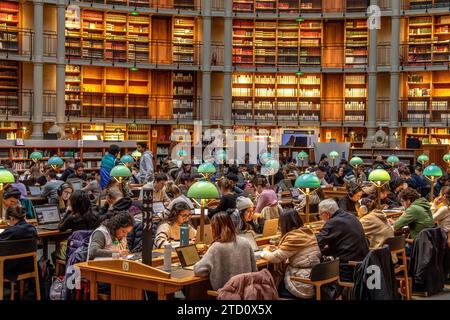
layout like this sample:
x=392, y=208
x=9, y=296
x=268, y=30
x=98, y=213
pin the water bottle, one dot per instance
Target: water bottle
x=184, y=234
x=167, y=257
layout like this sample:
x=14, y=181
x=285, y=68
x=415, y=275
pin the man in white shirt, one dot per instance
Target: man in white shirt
x=320, y=173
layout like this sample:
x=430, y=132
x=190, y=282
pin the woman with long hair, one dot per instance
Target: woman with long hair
x=79, y=214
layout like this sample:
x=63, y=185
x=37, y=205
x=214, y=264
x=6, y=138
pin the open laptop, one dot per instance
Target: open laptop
x=295, y=193
x=188, y=256
x=207, y=231
x=158, y=207
x=48, y=217
x=77, y=184
x=35, y=191
x=256, y=249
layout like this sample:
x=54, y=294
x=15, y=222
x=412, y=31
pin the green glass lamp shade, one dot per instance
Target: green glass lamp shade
x=356, y=161
x=302, y=155
x=126, y=159
x=266, y=156
x=393, y=159
x=333, y=154
x=433, y=171
x=307, y=180
x=36, y=155
x=272, y=167
x=6, y=176
x=446, y=157
x=221, y=156
x=120, y=171
x=206, y=167
x=182, y=153
x=203, y=190
x=136, y=154
x=423, y=158
x=55, y=161
x=379, y=175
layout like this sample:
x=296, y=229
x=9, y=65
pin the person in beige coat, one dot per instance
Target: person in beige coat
x=375, y=223
x=298, y=248
x=441, y=209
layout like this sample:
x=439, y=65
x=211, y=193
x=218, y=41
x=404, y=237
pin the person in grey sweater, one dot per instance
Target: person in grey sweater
x=51, y=187
x=146, y=169
x=228, y=256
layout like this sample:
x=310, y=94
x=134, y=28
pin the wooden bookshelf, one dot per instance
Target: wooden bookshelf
x=243, y=6
x=183, y=40
x=287, y=97
x=420, y=39
x=311, y=40
x=183, y=94
x=440, y=92
x=288, y=6
x=73, y=34
x=355, y=94
x=73, y=90
x=9, y=25
x=242, y=92
x=116, y=89
x=139, y=36
x=116, y=36
x=310, y=93
x=418, y=93
x=288, y=42
x=266, y=6
x=265, y=97
x=357, y=5
x=93, y=31
x=440, y=53
x=138, y=93
x=9, y=86
x=93, y=88
x=356, y=42
x=138, y=132
x=243, y=33
x=429, y=135
x=265, y=42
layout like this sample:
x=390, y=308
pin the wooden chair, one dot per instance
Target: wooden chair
x=397, y=246
x=60, y=265
x=14, y=250
x=321, y=274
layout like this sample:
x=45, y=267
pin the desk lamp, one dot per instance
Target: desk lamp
x=266, y=156
x=356, y=162
x=305, y=183
x=136, y=155
x=446, y=158
x=56, y=163
x=36, y=156
x=431, y=173
x=379, y=177
x=221, y=158
x=202, y=191
x=393, y=160
x=333, y=155
x=206, y=169
x=423, y=159
x=5, y=178
x=120, y=173
x=271, y=168
x=302, y=156
x=127, y=160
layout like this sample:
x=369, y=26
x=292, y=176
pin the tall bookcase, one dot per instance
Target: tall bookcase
x=139, y=35
x=310, y=92
x=243, y=42
x=311, y=39
x=266, y=6
x=441, y=54
x=288, y=42
x=116, y=36
x=420, y=39
x=265, y=42
x=93, y=88
x=183, y=94
x=183, y=40
x=418, y=93
x=355, y=94
x=277, y=6
x=93, y=31
x=356, y=42
x=73, y=34
x=138, y=93
x=73, y=90
x=242, y=92
x=9, y=70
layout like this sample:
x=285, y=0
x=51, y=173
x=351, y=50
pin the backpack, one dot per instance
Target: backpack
x=46, y=273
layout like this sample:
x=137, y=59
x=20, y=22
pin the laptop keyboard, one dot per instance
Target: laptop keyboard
x=49, y=227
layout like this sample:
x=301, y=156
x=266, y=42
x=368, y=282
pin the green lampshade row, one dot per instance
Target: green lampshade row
x=302, y=155
x=307, y=181
x=433, y=171
x=55, y=161
x=36, y=155
x=120, y=171
x=379, y=175
x=356, y=161
x=6, y=176
x=136, y=154
x=203, y=190
x=206, y=167
x=333, y=154
x=423, y=158
x=393, y=159
x=126, y=159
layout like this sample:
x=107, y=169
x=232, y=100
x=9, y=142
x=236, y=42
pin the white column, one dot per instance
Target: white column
x=38, y=67
x=60, y=64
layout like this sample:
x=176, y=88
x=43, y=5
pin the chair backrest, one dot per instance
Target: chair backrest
x=396, y=244
x=18, y=247
x=325, y=270
x=269, y=213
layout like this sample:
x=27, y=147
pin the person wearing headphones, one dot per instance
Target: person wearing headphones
x=64, y=193
x=51, y=187
x=348, y=203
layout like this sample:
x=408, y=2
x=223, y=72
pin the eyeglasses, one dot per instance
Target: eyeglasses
x=67, y=192
x=184, y=216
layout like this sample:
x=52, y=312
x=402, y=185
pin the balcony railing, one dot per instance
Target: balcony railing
x=179, y=5
x=424, y=4
x=426, y=111
x=16, y=42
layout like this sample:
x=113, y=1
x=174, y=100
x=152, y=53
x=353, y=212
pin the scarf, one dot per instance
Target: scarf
x=298, y=239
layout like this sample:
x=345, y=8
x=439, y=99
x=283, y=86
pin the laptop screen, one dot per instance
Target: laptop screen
x=188, y=255
x=47, y=214
x=35, y=191
x=76, y=185
x=249, y=237
x=295, y=193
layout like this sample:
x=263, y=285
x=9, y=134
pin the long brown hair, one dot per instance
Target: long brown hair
x=223, y=229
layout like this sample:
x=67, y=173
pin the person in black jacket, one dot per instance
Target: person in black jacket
x=69, y=169
x=342, y=236
x=348, y=203
x=337, y=177
x=18, y=228
x=78, y=172
x=228, y=199
x=115, y=201
x=79, y=215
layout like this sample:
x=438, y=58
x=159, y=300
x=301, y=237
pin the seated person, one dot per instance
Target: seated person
x=177, y=197
x=93, y=187
x=388, y=199
x=228, y=256
x=79, y=172
x=169, y=229
x=349, y=202
x=186, y=181
x=374, y=222
x=115, y=201
x=266, y=196
x=314, y=199
x=227, y=199
x=111, y=236
x=35, y=178
x=20, y=186
x=64, y=193
x=159, y=194
x=243, y=217
x=51, y=187
x=298, y=246
x=79, y=215
x=337, y=177
x=441, y=209
x=234, y=179
x=69, y=165
x=18, y=228
x=11, y=198
x=405, y=174
x=342, y=236
x=417, y=215
x=321, y=172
